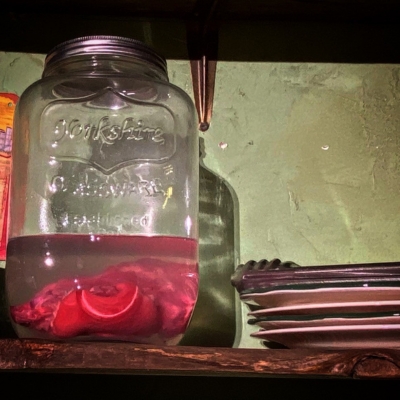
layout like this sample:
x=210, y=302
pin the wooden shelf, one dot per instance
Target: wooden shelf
x=126, y=358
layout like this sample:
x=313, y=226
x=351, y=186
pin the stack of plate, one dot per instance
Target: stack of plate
x=331, y=307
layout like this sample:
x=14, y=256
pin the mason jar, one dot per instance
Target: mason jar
x=103, y=234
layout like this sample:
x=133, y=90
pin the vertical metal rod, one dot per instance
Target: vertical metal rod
x=203, y=76
x=203, y=47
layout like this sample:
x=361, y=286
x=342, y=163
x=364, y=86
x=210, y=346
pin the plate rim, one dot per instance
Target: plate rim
x=394, y=303
x=322, y=290
x=334, y=328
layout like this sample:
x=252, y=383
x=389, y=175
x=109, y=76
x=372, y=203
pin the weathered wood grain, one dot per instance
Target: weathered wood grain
x=126, y=358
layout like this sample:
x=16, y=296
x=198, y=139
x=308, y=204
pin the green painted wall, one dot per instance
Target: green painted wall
x=311, y=150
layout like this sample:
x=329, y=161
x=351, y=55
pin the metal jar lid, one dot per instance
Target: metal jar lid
x=105, y=45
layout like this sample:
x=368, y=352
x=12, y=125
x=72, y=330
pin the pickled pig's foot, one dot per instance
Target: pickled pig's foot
x=175, y=318
x=139, y=302
x=119, y=310
x=26, y=315
x=176, y=306
x=69, y=319
x=39, y=312
x=109, y=302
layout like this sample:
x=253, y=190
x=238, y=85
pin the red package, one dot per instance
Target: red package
x=7, y=107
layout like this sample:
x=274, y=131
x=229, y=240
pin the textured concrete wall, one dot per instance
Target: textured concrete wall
x=313, y=155
x=310, y=149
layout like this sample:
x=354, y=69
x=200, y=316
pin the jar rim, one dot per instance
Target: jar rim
x=102, y=44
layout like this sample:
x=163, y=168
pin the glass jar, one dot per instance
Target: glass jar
x=103, y=236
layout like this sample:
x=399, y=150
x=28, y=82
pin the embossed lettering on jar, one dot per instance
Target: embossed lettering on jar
x=104, y=198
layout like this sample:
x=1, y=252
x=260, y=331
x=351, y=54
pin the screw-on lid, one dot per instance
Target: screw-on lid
x=106, y=45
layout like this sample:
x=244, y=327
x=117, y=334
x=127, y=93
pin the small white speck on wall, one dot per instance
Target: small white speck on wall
x=325, y=147
x=223, y=145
